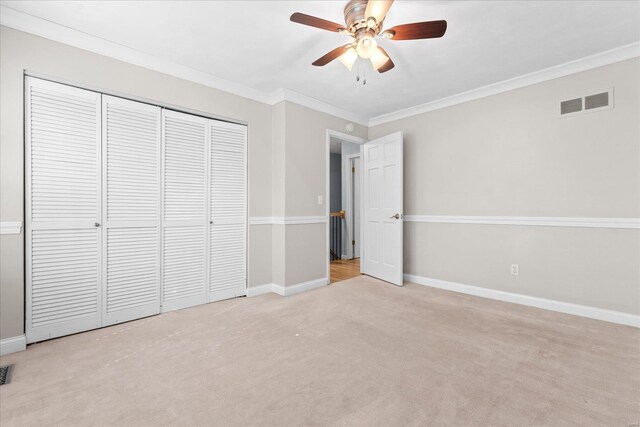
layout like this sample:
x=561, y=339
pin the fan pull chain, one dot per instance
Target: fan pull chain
x=364, y=75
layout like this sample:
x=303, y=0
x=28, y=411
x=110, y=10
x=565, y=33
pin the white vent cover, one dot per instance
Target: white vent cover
x=598, y=100
x=595, y=102
x=571, y=106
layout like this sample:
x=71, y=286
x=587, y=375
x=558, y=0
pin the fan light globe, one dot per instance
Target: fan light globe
x=348, y=58
x=378, y=59
x=367, y=46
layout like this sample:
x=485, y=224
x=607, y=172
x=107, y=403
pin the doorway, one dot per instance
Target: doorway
x=344, y=206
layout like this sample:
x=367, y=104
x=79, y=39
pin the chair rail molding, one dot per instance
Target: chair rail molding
x=287, y=220
x=10, y=227
x=629, y=223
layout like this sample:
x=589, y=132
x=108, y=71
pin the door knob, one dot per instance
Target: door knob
x=96, y=224
x=396, y=216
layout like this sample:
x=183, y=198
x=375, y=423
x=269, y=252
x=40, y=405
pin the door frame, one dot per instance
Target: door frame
x=347, y=138
x=349, y=198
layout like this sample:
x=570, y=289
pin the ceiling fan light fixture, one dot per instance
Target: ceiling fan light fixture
x=367, y=46
x=348, y=58
x=378, y=59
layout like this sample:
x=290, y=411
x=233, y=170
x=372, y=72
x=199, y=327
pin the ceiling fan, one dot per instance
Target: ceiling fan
x=364, y=20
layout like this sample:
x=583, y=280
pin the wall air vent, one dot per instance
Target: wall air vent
x=588, y=103
x=596, y=101
x=571, y=106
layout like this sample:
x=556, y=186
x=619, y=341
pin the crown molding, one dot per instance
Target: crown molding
x=69, y=36
x=50, y=30
x=289, y=95
x=583, y=64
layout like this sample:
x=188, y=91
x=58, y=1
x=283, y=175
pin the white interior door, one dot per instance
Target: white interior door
x=63, y=185
x=382, y=208
x=131, y=209
x=185, y=153
x=227, y=210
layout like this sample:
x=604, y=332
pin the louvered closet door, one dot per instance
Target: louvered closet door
x=131, y=209
x=228, y=187
x=62, y=134
x=185, y=142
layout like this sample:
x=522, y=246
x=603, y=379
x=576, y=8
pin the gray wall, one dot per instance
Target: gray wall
x=299, y=250
x=508, y=154
x=19, y=52
x=511, y=155
x=335, y=182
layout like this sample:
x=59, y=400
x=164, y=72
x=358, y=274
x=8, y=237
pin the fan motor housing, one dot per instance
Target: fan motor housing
x=354, y=16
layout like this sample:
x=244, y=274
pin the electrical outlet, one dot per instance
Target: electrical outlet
x=320, y=200
x=515, y=269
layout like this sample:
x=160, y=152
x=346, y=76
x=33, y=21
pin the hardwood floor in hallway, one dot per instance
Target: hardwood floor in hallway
x=344, y=269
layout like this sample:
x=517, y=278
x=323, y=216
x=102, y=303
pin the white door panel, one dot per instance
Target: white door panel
x=185, y=149
x=63, y=183
x=228, y=211
x=131, y=209
x=382, y=255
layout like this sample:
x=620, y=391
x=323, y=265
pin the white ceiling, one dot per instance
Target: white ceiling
x=253, y=43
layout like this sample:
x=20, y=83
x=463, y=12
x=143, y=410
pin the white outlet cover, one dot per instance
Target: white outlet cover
x=515, y=269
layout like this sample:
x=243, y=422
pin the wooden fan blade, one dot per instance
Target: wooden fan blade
x=418, y=30
x=387, y=65
x=377, y=9
x=324, y=60
x=312, y=21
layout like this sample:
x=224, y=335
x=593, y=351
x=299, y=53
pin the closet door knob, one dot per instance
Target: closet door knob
x=96, y=224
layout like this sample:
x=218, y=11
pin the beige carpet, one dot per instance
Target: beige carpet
x=360, y=352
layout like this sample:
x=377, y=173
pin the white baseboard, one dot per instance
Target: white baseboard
x=546, y=304
x=13, y=345
x=287, y=290
x=254, y=291
x=300, y=287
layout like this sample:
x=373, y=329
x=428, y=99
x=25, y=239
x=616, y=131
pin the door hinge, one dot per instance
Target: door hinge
x=353, y=242
x=353, y=169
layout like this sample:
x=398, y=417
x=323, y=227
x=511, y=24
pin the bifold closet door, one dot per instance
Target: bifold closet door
x=227, y=210
x=131, y=209
x=63, y=198
x=185, y=153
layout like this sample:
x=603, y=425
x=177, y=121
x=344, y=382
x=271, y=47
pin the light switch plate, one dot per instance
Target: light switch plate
x=320, y=201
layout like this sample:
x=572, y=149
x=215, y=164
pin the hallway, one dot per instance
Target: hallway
x=344, y=269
